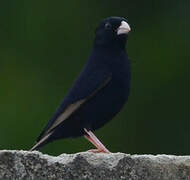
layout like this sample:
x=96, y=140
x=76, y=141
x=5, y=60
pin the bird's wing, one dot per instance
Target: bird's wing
x=91, y=80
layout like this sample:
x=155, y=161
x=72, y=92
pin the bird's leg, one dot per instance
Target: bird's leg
x=95, y=141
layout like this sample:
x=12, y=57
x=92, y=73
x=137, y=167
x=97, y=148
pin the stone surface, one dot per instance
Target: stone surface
x=24, y=165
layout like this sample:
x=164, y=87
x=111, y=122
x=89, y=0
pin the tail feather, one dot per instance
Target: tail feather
x=41, y=142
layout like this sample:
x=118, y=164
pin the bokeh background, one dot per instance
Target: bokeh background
x=44, y=45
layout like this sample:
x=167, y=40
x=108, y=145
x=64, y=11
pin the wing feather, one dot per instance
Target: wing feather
x=73, y=107
x=86, y=87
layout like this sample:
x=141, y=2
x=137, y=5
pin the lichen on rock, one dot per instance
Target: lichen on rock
x=24, y=165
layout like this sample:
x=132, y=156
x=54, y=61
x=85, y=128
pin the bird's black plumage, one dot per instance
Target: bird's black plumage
x=100, y=91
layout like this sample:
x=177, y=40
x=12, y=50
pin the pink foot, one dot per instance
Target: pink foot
x=98, y=151
x=96, y=142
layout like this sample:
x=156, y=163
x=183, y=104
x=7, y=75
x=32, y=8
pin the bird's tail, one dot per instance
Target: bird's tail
x=41, y=142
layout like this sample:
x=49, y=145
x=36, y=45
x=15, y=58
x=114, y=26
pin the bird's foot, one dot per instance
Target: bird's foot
x=96, y=142
x=99, y=151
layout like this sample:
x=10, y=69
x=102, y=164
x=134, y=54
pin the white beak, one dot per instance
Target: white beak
x=124, y=28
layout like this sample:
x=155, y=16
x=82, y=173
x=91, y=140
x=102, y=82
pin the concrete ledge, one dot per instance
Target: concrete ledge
x=24, y=165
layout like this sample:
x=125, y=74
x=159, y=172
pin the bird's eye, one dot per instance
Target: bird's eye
x=108, y=26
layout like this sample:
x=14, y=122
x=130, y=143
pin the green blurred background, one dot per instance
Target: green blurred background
x=44, y=45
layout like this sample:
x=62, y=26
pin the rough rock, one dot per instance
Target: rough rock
x=24, y=165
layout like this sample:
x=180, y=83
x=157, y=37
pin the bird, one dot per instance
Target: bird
x=99, y=92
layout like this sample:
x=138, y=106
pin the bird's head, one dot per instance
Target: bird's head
x=112, y=32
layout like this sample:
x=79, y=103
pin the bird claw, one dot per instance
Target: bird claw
x=98, y=151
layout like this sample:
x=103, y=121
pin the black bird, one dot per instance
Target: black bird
x=100, y=91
